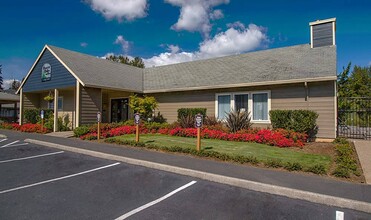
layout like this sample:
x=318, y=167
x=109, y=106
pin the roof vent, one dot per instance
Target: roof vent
x=322, y=32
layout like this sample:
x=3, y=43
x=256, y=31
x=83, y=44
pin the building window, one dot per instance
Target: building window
x=260, y=106
x=241, y=102
x=60, y=104
x=257, y=103
x=224, y=106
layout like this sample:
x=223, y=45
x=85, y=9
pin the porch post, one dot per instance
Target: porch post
x=15, y=112
x=56, y=110
x=21, y=107
x=77, y=117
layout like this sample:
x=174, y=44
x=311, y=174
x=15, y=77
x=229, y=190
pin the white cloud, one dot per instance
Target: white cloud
x=216, y=14
x=120, y=9
x=83, y=44
x=7, y=83
x=195, y=15
x=120, y=40
x=237, y=39
x=169, y=58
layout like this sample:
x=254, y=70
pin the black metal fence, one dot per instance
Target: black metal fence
x=354, y=118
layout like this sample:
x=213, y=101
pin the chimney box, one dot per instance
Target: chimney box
x=322, y=32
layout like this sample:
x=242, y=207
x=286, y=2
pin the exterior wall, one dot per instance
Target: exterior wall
x=68, y=109
x=169, y=103
x=31, y=100
x=90, y=104
x=60, y=76
x=319, y=97
x=323, y=34
x=107, y=95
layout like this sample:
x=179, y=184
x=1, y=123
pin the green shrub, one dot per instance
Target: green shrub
x=33, y=115
x=62, y=125
x=317, y=169
x=274, y=163
x=187, y=121
x=345, y=162
x=340, y=140
x=155, y=125
x=79, y=131
x=159, y=118
x=237, y=121
x=296, y=120
x=341, y=172
x=295, y=166
x=183, y=112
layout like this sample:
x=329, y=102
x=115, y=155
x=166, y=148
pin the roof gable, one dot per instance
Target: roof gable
x=101, y=73
x=48, y=73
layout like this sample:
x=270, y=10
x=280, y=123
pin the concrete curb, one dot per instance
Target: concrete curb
x=250, y=185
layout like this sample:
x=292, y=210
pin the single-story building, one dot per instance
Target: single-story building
x=295, y=77
x=9, y=107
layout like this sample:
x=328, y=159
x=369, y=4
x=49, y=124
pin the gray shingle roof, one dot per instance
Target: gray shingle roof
x=96, y=72
x=8, y=98
x=288, y=63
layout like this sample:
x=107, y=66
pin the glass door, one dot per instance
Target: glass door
x=119, y=110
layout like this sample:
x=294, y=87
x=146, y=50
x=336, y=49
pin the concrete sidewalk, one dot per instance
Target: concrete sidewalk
x=363, y=148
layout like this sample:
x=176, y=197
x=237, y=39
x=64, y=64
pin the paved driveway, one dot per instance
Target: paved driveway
x=44, y=183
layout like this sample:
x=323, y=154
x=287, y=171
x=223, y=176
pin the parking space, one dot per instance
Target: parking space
x=65, y=185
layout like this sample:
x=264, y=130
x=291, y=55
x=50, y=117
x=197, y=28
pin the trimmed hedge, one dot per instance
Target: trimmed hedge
x=184, y=112
x=33, y=115
x=296, y=120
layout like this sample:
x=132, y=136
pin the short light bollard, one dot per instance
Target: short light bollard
x=99, y=119
x=198, y=125
x=136, y=122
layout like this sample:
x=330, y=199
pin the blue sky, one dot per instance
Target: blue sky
x=170, y=31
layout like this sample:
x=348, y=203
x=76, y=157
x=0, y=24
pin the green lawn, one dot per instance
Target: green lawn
x=260, y=151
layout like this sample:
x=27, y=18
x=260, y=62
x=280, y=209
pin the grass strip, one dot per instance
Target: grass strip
x=240, y=152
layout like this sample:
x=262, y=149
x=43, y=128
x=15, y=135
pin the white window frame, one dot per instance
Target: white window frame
x=252, y=107
x=60, y=108
x=250, y=103
x=216, y=102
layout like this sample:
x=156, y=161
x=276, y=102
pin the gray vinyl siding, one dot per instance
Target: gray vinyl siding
x=323, y=35
x=321, y=99
x=91, y=103
x=169, y=103
x=31, y=101
x=60, y=76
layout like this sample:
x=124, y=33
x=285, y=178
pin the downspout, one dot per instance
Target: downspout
x=21, y=107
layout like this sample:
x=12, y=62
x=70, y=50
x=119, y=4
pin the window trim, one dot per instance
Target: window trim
x=269, y=106
x=60, y=108
x=250, y=103
x=216, y=103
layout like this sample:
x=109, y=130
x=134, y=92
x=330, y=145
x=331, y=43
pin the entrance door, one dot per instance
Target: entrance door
x=119, y=110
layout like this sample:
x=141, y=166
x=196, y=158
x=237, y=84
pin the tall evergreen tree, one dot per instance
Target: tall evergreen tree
x=137, y=61
x=1, y=78
x=15, y=85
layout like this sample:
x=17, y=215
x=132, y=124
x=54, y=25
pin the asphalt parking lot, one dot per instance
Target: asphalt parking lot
x=44, y=183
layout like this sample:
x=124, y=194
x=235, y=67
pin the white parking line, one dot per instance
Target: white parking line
x=31, y=157
x=59, y=178
x=155, y=201
x=15, y=145
x=7, y=145
x=3, y=140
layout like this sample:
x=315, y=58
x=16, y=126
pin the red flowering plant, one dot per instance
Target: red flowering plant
x=33, y=128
